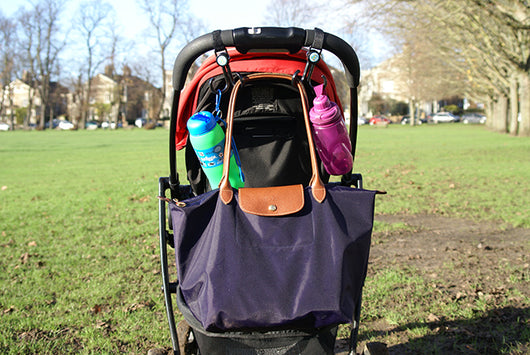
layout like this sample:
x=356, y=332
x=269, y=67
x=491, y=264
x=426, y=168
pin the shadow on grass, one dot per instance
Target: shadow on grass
x=499, y=331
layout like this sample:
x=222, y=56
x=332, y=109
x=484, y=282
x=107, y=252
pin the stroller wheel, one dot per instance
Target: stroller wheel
x=375, y=349
x=187, y=343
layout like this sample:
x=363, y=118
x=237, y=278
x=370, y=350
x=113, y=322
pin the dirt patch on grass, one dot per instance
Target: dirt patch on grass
x=67, y=337
x=478, y=266
x=432, y=243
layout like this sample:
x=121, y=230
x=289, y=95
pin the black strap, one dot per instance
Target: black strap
x=314, y=54
x=218, y=42
x=222, y=58
x=318, y=41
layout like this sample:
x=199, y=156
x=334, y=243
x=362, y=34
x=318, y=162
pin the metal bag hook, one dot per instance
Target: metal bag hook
x=313, y=57
x=295, y=78
x=314, y=54
x=214, y=90
x=324, y=82
x=222, y=59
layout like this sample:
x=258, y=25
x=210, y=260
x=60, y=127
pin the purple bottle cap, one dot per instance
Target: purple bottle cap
x=321, y=103
x=324, y=111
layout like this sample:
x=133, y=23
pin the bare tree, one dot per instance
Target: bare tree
x=115, y=49
x=48, y=46
x=7, y=65
x=488, y=42
x=493, y=39
x=511, y=41
x=93, y=16
x=164, y=20
x=289, y=13
x=27, y=44
x=423, y=76
x=169, y=21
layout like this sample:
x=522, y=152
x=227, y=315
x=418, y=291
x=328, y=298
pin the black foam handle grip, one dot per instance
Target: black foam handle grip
x=272, y=38
x=289, y=38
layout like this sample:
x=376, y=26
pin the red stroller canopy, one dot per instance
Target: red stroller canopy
x=266, y=62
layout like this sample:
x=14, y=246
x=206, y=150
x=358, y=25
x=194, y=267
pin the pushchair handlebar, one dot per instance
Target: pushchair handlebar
x=282, y=38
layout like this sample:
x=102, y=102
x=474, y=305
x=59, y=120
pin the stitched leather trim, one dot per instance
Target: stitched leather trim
x=272, y=201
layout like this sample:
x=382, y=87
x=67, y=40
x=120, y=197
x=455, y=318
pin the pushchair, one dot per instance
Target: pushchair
x=273, y=150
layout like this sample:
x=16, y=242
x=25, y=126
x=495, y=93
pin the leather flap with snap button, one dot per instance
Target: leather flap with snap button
x=272, y=201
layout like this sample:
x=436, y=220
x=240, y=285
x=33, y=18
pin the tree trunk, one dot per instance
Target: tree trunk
x=500, y=113
x=27, y=119
x=86, y=105
x=411, y=111
x=524, y=95
x=490, y=112
x=11, y=109
x=514, y=106
x=42, y=124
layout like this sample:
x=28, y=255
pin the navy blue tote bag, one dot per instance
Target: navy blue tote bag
x=289, y=256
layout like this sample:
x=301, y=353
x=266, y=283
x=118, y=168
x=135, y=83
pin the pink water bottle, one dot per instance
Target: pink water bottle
x=330, y=134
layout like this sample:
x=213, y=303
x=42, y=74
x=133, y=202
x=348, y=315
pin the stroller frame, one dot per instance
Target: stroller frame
x=290, y=39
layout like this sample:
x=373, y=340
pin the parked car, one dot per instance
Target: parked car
x=65, y=125
x=378, y=119
x=473, y=118
x=60, y=124
x=91, y=125
x=111, y=125
x=361, y=121
x=140, y=122
x=444, y=117
x=4, y=126
x=406, y=120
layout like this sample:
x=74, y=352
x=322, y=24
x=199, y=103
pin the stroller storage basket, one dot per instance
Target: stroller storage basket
x=276, y=341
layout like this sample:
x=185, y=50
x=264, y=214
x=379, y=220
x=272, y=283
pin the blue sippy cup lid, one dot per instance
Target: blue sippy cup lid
x=201, y=123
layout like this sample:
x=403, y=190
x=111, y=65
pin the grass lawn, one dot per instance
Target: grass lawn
x=452, y=169
x=78, y=221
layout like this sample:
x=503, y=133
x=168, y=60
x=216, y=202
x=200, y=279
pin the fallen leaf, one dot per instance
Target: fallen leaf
x=103, y=325
x=96, y=309
x=432, y=318
x=4, y=188
x=32, y=244
x=24, y=258
x=9, y=310
x=134, y=307
x=51, y=302
x=460, y=295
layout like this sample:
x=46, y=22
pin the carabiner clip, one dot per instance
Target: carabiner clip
x=217, y=111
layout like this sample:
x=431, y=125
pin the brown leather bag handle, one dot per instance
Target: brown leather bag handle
x=225, y=189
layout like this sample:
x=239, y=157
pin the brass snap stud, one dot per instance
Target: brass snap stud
x=273, y=208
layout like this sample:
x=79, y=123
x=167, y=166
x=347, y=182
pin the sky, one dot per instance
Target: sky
x=215, y=14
